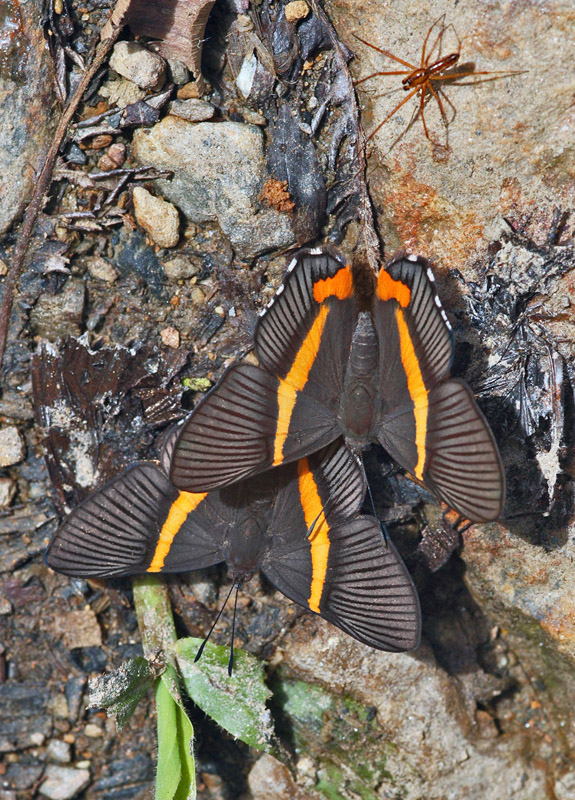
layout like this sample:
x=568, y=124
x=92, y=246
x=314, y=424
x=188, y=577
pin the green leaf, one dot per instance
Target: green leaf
x=176, y=775
x=121, y=691
x=237, y=703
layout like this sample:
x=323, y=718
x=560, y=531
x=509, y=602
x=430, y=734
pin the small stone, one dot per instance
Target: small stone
x=170, y=337
x=101, y=141
x=12, y=449
x=113, y=158
x=179, y=73
x=565, y=787
x=296, y=10
x=157, y=217
x=78, y=628
x=197, y=295
x=63, y=783
x=136, y=63
x=188, y=91
x=93, y=731
x=5, y=606
x=193, y=110
x=219, y=310
x=59, y=751
x=57, y=316
x=270, y=780
x=7, y=491
x=3, y=267
x=37, y=739
x=100, y=268
x=180, y=268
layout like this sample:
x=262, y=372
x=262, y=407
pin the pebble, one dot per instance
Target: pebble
x=180, y=268
x=59, y=751
x=157, y=217
x=193, y=110
x=136, y=63
x=170, y=337
x=296, y=10
x=100, y=268
x=113, y=158
x=189, y=90
x=3, y=267
x=219, y=170
x=93, y=731
x=7, y=491
x=5, y=606
x=270, y=780
x=57, y=316
x=179, y=73
x=12, y=449
x=63, y=783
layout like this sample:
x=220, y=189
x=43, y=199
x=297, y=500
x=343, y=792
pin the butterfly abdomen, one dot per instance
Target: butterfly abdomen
x=360, y=387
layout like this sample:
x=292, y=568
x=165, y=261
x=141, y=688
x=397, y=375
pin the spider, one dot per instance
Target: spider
x=420, y=79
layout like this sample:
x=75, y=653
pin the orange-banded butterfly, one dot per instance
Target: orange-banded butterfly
x=336, y=360
x=299, y=524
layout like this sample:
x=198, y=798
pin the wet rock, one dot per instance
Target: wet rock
x=219, y=172
x=193, y=110
x=59, y=751
x=157, y=217
x=28, y=107
x=182, y=267
x=419, y=730
x=137, y=64
x=23, y=720
x=22, y=776
x=12, y=449
x=63, y=783
x=57, y=316
x=100, y=268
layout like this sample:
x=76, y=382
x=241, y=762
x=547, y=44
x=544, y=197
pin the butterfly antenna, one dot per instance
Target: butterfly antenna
x=214, y=623
x=231, y=661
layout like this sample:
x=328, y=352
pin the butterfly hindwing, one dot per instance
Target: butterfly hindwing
x=248, y=423
x=138, y=522
x=462, y=462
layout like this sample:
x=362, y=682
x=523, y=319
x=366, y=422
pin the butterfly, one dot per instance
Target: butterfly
x=339, y=359
x=299, y=524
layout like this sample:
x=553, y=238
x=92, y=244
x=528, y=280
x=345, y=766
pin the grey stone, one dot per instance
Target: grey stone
x=136, y=63
x=219, y=171
x=63, y=783
x=182, y=267
x=28, y=106
x=59, y=751
x=193, y=110
x=57, y=316
x=12, y=448
x=179, y=73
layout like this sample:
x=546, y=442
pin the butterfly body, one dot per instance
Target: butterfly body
x=336, y=362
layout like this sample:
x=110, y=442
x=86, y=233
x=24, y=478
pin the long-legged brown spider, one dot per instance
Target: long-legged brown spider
x=420, y=79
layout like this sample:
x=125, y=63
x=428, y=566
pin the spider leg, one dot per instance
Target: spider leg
x=390, y=115
x=385, y=53
x=378, y=74
x=448, y=101
x=440, y=104
x=422, y=114
x=424, y=60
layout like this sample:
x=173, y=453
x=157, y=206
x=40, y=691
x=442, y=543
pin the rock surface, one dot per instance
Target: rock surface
x=12, y=448
x=28, y=109
x=136, y=63
x=218, y=174
x=157, y=217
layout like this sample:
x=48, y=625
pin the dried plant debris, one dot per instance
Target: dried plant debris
x=527, y=376
x=100, y=409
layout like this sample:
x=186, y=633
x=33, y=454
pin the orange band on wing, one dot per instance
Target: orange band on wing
x=340, y=286
x=388, y=289
x=416, y=388
x=319, y=531
x=179, y=510
x=295, y=380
